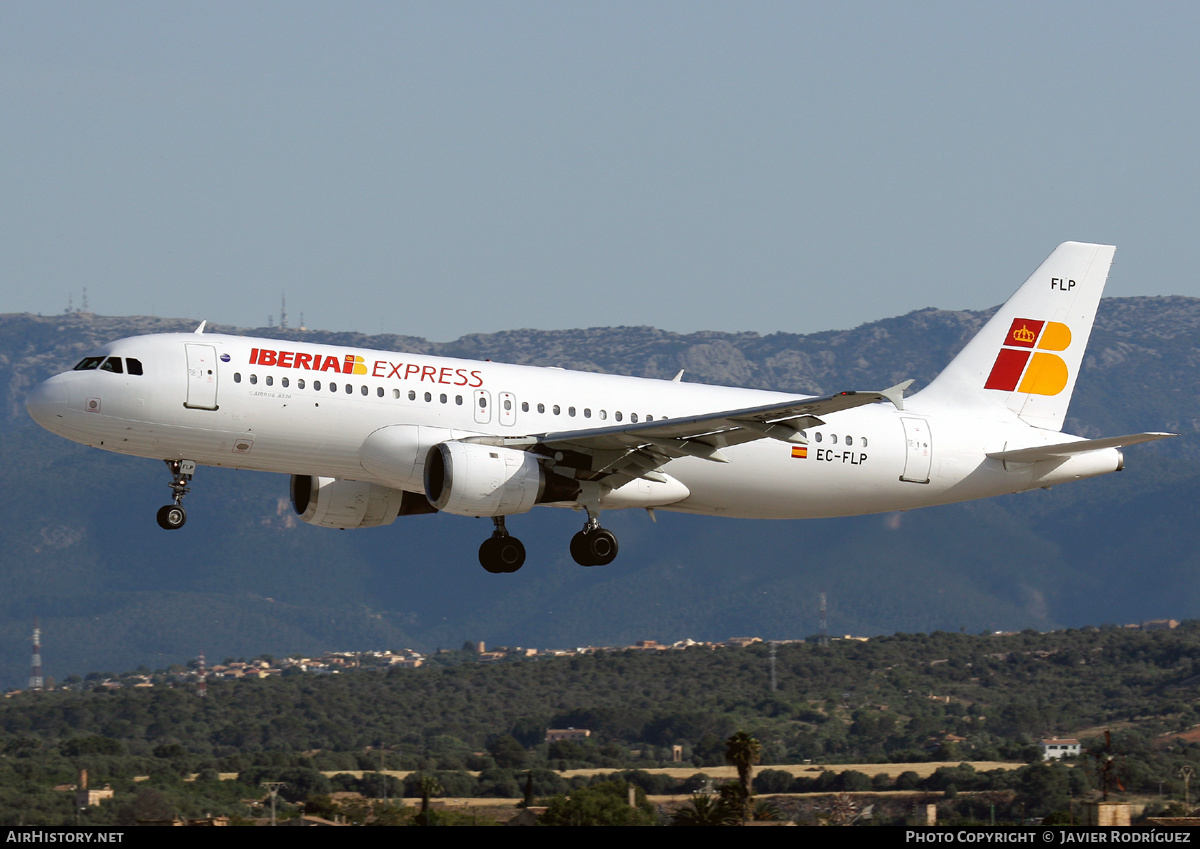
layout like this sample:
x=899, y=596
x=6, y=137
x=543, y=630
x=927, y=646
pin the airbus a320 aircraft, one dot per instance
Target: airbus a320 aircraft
x=368, y=436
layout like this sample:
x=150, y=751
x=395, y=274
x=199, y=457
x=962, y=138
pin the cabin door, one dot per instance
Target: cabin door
x=201, y=377
x=918, y=451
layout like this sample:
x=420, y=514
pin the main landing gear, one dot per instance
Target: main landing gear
x=500, y=552
x=594, y=545
x=173, y=516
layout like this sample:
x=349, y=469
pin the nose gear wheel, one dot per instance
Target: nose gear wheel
x=172, y=517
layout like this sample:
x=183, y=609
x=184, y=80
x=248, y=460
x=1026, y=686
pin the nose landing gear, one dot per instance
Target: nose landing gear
x=501, y=552
x=172, y=516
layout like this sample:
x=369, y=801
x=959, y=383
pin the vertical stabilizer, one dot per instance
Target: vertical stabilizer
x=1027, y=357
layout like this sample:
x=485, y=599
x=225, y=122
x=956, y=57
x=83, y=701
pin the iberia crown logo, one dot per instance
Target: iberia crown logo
x=354, y=365
x=1035, y=372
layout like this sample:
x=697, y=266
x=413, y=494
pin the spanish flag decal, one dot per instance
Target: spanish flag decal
x=800, y=451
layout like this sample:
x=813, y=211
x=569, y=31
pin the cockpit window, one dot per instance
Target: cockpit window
x=133, y=366
x=112, y=364
x=89, y=363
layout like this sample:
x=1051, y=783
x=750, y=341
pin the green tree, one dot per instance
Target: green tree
x=743, y=752
x=601, y=804
x=706, y=809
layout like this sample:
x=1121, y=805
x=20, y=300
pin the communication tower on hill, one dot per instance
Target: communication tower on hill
x=35, y=673
x=823, y=624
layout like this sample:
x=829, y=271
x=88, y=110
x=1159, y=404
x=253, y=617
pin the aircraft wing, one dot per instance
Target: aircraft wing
x=1066, y=449
x=621, y=453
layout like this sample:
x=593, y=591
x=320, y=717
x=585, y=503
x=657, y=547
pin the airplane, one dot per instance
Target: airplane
x=369, y=436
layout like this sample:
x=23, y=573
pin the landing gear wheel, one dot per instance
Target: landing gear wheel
x=171, y=517
x=510, y=552
x=595, y=547
x=501, y=554
x=579, y=549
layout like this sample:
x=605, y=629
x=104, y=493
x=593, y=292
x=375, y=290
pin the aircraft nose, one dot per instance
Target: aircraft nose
x=47, y=402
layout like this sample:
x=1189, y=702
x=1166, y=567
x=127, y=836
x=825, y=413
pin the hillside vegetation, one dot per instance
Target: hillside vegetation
x=479, y=729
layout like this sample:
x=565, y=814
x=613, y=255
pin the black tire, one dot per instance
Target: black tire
x=579, y=550
x=172, y=517
x=488, y=557
x=602, y=547
x=510, y=553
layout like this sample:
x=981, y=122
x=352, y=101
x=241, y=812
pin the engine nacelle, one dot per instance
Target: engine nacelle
x=471, y=479
x=396, y=454
x=335, y=503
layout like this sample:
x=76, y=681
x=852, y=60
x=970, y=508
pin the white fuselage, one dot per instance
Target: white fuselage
x=260, y=404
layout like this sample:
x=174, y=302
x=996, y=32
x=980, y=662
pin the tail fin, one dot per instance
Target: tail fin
x=1026, y=358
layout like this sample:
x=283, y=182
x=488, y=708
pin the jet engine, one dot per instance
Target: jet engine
x=345, y=504
x=471, y=479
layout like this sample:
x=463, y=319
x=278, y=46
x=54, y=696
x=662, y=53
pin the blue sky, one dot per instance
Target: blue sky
x=437, y=169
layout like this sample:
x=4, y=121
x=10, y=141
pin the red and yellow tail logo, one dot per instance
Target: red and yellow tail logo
x=1022, y=363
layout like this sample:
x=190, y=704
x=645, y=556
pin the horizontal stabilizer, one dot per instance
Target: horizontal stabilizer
x=1066, y=449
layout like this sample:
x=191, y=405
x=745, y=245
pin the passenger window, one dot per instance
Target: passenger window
x=237, y=377
x=587, y=412
x=507, y=405
x=649, y=418
x=850, y=441
x=541, y=408
x=442, y=398
x=133, y=366
x=633, y=417
x=112, y=364
x=524, y=406
x=350, y=389
x=89, y=363
x=603, y=415
x=864, y=442
x=458, y=400
x=482, y=401
x=317, y=385
x=556, y=409
x=253, y=379
x=570, y=411
x=428, y=397
x=270, y=380
x=378, y=392
x=617, y=415
x=412, y=396
x=284, y=382
x=396, y=394
x=819, y=437
x=300, y=383
x=332, y=387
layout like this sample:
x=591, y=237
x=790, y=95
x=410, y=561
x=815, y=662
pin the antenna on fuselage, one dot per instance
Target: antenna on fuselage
x=199, y=331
